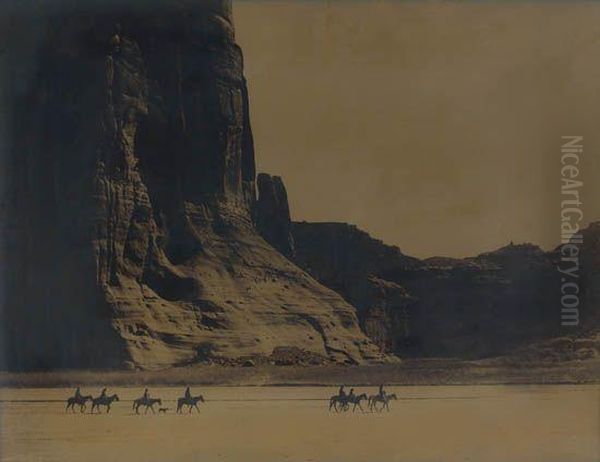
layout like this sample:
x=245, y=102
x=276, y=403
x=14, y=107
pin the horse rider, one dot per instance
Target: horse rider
x=103, y=393
x=146, y=395
x=341, y=392
x=351, y=394
x=188, y=393
x=381, y=391
x=78, y=396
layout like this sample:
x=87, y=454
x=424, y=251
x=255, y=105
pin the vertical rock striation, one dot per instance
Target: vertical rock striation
x=131, y=223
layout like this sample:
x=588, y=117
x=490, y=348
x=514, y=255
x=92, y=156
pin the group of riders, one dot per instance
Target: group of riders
x=339, y=402
x=80, y=400
x=148, y=402
x=343, y=400
x=342, y=393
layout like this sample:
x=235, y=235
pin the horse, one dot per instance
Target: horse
x=345, y=401
x=355, y=399
x=192, y=402
x=147, y=402
x=335, y=400
x=137, y=403
x=73, y=400
x=385, y=399
x=103, y=401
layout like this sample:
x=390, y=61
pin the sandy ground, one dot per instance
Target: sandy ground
x=279, y=424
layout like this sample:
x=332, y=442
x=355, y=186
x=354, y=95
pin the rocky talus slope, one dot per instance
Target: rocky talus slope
x=131, y=229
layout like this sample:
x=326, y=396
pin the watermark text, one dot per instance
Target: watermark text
x=571, y=215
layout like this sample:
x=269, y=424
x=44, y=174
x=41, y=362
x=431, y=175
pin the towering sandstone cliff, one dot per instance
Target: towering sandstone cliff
x=131, y=238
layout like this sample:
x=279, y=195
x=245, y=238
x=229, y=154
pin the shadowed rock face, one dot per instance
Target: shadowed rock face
x=590, y=277
x=356, y=266
x=273, y=214
x=492, y=304
x=473, y=307
x=350, y=262
x=131, y=228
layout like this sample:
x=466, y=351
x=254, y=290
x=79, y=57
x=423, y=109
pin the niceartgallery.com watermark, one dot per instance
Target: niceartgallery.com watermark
x=571, y=215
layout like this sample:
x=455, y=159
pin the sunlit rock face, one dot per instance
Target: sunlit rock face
x=132, y=236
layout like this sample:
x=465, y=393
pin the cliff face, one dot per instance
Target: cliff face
x=352, y=263
x=590, y=277
x=131, y=228
x=273, y=214
x=488, y=305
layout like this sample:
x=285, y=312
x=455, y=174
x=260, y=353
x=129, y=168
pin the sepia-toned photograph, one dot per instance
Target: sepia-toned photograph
x=299, y=231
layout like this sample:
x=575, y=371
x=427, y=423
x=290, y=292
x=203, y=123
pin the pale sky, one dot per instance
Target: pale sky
x=433, y=126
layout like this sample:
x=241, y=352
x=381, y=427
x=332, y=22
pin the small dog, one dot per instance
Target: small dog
x=163, y=410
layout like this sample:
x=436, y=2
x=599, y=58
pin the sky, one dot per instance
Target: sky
x=434, y=126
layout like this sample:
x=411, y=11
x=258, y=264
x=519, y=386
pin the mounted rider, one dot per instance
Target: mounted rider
x=78, y=396
x=103, y=393
x=146, y=396
x=188, y=393
x=382, y=392
x=351, y=395
x=341, y=392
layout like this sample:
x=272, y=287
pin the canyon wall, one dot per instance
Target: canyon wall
x=131, y=236
x=488, y=305
x=273, y=214
x=493, y=304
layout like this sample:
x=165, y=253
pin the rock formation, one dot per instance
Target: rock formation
x=350, y=262
x=488, y=305
x=590, y=276
x=132, y=234
x=492, y=304
x=130, y=230
x=273, y=214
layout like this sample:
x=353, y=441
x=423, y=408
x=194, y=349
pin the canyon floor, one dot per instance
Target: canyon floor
x=533, y=423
